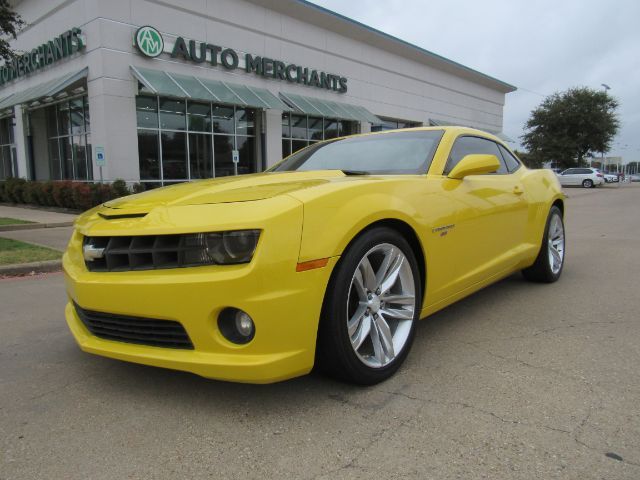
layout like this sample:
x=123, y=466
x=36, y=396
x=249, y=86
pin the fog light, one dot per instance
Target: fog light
x=236, y=325
x=244, y=324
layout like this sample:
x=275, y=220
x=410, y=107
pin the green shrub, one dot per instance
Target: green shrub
x=29, y=194
x=15, y=187
x=3, y=191
x=120, y=188
x=138, y=187
x=82, y=196
x=63, y=194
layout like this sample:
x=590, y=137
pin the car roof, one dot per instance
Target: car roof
x=456, y=130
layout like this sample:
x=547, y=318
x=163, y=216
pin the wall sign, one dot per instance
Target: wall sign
x=101, y=159
x=62, y=46
x=151, y=44
x=149, y=41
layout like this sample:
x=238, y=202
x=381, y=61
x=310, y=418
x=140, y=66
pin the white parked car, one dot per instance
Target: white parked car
x=586, y=177
x=611, y=178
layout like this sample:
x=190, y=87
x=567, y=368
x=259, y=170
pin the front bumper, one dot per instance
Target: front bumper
x=284, y=304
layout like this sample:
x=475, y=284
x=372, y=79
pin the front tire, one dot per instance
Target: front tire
x=587, y=183
x=550, y=261
x=371, y=308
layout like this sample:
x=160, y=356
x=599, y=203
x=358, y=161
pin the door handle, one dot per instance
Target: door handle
x=518, y=190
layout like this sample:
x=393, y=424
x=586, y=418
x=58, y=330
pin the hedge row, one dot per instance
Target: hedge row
x=63, y=193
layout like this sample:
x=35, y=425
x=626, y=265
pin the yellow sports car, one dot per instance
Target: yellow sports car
x=329, y=258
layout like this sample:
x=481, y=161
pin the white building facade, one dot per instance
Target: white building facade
x=159, y=92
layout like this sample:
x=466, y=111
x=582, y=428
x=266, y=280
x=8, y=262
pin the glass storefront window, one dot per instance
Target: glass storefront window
x=7, y=149
x=69, y=140
x=199, y=117
x=200, y=156
x=298, y=131
x=193, y=140
x=172, y=115
x=174, y=158
x=245, y=121
x=245, y=147
x=149, y=154
x=315, y=128
x=393, y=124
x=223, y=147
x=223, y=119
x=147, y=112
x=299, y=126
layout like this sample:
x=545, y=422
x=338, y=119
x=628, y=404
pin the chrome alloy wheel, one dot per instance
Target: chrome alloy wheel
x=381, y=305
x=555, y=241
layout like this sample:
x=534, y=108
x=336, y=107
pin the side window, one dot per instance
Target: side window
x=570, y=171
x=512, y=162
x=473, y=145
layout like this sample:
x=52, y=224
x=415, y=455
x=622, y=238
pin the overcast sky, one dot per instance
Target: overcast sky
x=541, y=47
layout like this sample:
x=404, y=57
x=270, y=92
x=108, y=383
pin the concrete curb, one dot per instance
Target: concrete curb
x=27, y=268
x=33, y=226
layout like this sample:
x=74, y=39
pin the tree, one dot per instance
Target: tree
x=10, y=23
x=529, y=160
x=568, y=126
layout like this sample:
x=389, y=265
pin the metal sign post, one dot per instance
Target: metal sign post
x=100, y=159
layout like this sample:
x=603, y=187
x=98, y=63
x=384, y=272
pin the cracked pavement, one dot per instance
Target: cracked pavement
x=518, y=381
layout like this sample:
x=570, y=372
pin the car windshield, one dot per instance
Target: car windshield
x=395, y=153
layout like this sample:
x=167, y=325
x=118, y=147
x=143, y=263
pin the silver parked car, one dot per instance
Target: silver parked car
x=586, y=177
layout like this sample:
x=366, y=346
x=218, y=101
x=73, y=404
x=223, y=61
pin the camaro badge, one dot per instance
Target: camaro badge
x=444, y=229
x=91, y=252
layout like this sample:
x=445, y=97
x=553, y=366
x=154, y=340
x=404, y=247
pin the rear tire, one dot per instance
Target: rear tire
x=587, y=183
x=371, y=308
x=550, y=261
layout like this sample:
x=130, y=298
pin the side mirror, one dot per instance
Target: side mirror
x=475, y=164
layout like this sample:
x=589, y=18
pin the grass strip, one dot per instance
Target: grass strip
x=14, y=251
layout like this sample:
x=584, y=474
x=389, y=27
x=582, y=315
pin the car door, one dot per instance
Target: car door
x=492, y=215
x=569, y=177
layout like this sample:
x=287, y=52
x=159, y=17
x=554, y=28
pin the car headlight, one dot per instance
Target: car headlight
x=221, y=248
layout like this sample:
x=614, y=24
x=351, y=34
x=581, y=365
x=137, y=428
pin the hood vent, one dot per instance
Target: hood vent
x=118, y=216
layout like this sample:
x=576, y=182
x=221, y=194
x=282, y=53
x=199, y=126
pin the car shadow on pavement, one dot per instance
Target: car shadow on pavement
x=146, y=384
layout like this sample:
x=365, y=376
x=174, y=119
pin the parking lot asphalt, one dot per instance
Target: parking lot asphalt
x=519, y=381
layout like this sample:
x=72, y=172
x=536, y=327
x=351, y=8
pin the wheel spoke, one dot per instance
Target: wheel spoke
x=385, y=336
x=384, y=266
x=359, y=284
x=378, y=351
x=363, y=331
x=368, y=275
x=556, y=257
x=392, y=274
x=354, y=321
x=398, y=299
x=398, y=313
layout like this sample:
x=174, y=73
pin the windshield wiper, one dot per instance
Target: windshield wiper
x=355, y=172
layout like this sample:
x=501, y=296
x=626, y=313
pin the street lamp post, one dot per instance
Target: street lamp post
x=606, y=89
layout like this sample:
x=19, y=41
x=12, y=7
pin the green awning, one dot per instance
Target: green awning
x=43, y=90
x=328, y=108
x=163, y=83
x=435, y=122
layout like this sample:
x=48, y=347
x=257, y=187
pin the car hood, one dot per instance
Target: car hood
x=244, y=188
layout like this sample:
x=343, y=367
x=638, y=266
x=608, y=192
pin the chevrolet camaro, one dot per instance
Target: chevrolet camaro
x=327, y=259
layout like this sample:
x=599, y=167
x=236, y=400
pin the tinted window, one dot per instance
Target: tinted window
x=389, y=153
x=570, y=171
x=473, y=145
x=509, y=159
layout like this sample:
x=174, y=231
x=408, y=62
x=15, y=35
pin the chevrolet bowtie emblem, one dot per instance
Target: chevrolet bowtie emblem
x=91, y=252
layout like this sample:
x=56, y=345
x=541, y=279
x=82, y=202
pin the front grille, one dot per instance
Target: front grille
x=142, y=331
x=144, y=252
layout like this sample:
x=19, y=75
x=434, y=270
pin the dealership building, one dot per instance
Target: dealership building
x=160, y=91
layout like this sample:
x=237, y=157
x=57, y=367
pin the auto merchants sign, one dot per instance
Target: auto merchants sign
x=56, y=49
x=150, y=43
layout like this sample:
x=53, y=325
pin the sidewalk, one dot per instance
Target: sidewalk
x=41, y=218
